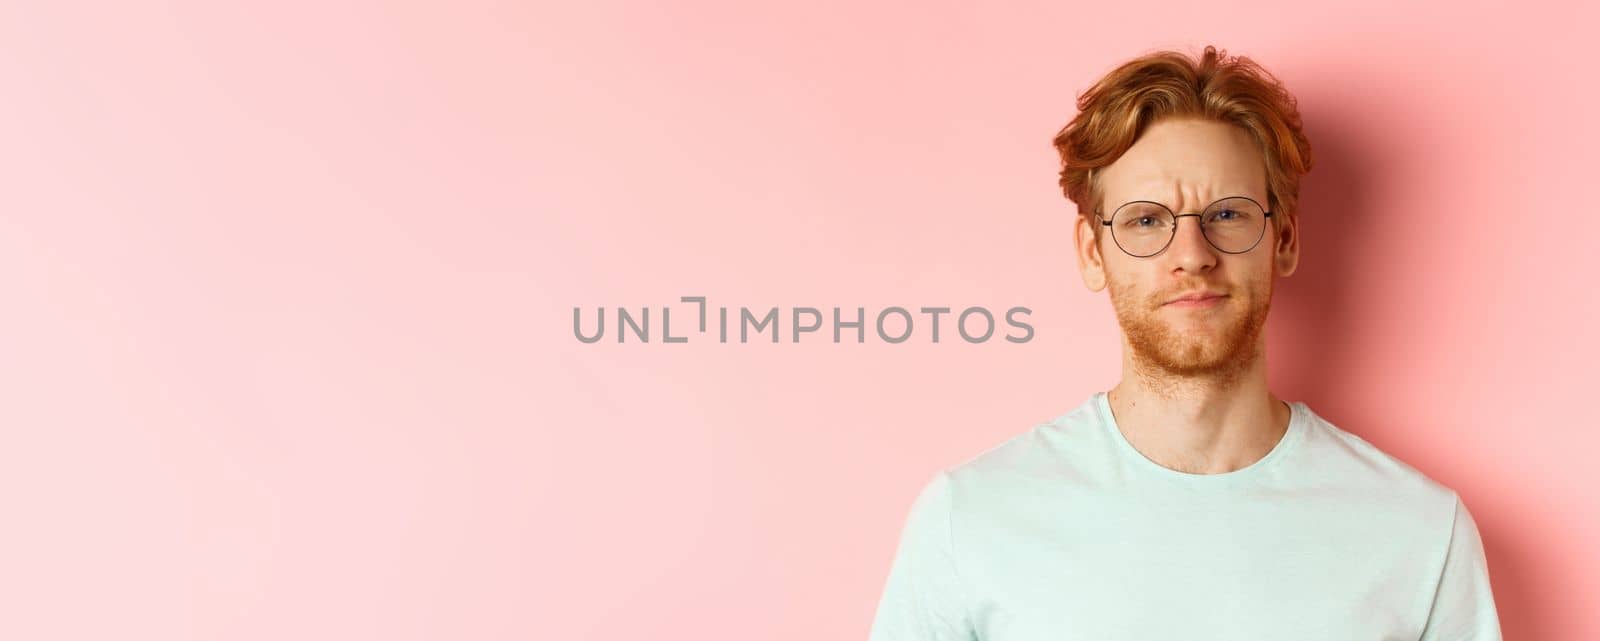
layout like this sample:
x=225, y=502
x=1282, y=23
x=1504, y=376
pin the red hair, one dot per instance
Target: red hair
x=1231, y=89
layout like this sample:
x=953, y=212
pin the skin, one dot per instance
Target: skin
x=1193, y=395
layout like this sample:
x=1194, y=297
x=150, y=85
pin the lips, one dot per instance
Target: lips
x=1195, y=297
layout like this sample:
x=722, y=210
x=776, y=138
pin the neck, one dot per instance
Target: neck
x=1200, y=423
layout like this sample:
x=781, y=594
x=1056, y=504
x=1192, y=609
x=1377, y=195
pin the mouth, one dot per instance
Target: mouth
x=1210, y=300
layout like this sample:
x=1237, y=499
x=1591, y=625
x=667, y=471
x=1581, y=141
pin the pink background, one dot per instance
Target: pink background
x=287, y=337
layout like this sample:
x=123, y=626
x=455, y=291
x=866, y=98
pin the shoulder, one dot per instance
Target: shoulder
x=1346, y=463
x=1047, y=453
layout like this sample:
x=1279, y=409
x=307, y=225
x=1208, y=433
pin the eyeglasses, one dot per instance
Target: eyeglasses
x=1142, y=228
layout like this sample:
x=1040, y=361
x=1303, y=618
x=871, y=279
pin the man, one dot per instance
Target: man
x=1187, y=503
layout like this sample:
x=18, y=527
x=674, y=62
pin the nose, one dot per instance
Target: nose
x=1190, y=251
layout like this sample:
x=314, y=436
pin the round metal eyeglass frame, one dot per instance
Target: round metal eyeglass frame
x=1175, y=216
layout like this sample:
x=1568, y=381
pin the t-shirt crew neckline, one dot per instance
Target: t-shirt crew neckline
x=1291, y=437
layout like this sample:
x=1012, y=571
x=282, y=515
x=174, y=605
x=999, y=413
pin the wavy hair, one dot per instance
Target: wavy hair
x=1114, y=112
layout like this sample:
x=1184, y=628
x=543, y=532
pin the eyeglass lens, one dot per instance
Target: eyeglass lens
x=1233, y=225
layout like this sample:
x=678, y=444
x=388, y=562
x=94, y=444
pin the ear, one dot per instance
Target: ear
x=1286, y=244
x=1090, y=263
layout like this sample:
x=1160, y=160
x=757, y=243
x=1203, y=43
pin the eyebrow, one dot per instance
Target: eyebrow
x=1244, y=193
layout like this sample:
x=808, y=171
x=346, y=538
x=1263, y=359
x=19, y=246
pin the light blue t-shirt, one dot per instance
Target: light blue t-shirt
x=1067, y=533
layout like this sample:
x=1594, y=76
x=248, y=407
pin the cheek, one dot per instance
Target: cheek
x=1116, y=281
x=1125, y=289
x=1261, y=277
x=1252, y=274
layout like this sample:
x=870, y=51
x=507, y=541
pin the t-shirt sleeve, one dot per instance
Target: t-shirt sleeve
x=924, y=597
x=1463, y=605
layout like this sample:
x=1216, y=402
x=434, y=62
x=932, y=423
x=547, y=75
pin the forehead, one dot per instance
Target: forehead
x=1187, y=163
